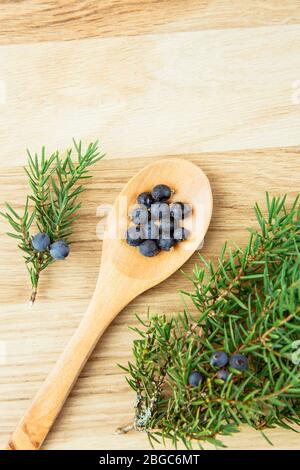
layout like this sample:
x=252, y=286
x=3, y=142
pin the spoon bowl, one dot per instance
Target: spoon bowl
x=124, y=274
x=189, y=185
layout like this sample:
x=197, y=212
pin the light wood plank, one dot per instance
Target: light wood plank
x=101, y=400
x=151, y=95
x=36, y=20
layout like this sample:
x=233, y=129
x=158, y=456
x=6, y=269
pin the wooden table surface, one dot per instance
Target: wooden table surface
x=213, y=81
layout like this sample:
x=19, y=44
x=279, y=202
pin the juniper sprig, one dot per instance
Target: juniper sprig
x=52, y=205
x=250, y=304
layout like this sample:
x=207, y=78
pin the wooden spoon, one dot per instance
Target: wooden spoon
x=124, y=274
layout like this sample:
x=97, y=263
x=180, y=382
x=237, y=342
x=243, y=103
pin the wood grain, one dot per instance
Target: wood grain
x=150, y=79
x=154, y=95
x=34, y=20
x=101, y=400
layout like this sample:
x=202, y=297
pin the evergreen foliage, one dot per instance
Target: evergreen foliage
x=54, y=197
x=248, y=303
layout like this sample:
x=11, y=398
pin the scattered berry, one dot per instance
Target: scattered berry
x=179, y=210
x=41, y=241
x=134, y=235
x=59, y=249
x=219, y=359
x=161, y=192
x=195, y=379
x=238, y=361
x=160, y=210
x=139, y=215
x=150, y=231
x=223, y=374
x=145, y=199
x=181, y=233
x=149, y=248
x=166, y=244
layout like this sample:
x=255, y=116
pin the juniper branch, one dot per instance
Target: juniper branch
x=249, y=302
x=54, y=195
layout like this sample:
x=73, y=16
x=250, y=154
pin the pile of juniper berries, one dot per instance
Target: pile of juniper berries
x=157, y=222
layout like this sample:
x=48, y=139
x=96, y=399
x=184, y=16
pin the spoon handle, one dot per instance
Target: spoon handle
x=37, y=421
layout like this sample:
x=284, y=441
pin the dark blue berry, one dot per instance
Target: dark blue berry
x=179, y=210
x=139, y=215
x=134, y=236
x=238, y=361
x=161, y=192
x=219, y=359
x=223, y=374
x=167, y=227
x=160, y=210
x=150, y=231
x=145, y=199
x=149, y=248
x=59, y=249
x=166, y=244
x=41, y=241
x=181, y=233
x=195, y=379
